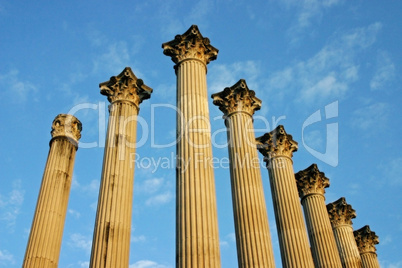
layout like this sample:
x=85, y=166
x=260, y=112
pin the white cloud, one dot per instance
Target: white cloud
x=6, y=258
x=150, y=185
x=114, y=59
x=307, y=13
x=330, y=72
x=17, y=89
x=222, y=76
x=393, y=171
x=137, y=239
x=385, y=72
x=386, y=264
x=159, y=199
x=371, y=117
x=83, y=264
x=74, y=213
x=80, y=242
x=147, y=264
x=11, y=204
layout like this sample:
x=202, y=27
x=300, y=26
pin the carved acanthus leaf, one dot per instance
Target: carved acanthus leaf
x=340, y=212
x=237, y=98
x=366, y=240
x=189, y=45
x=125, y=86
x=311, y=181
x=66, y=125
x=276, y=143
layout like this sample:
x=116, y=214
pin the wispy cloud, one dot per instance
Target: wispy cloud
x=151, y=185
x=10, y=205
x=308, y=12
x=138, y=239
x=114, y=59
x=385, y=72
x=159, y=199
x=6, y=258
x=372, y=116
x=222, y=76
x=17, y=89
x=80, y=241
x=147, y=264
x=393, y=171
x=330, y=72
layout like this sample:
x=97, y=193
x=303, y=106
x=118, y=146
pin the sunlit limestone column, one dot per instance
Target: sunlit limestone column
x=366, y=241
x=311, y=184
x=197, y=238
x=341, y=214
x=111, y=241
x=277, y=147
x=44, y=242
x=253, y=239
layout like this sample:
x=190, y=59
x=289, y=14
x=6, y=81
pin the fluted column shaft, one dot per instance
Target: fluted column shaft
x=366, y=241
x=253, y=238
x=197, y=238
x=370, y=260
x=340, y=214
x=311, y=184
x=347, y=246
x=44, y=242
x=277, y=147
x=111, y=241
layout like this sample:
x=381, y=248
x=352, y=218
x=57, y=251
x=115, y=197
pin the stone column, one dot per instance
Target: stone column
x=253, y=239
x=197, y=238
x=44, y=242
x=111, y=241
x=341, y=214
x=311, y=184
x=277, y=147
x=366, y=241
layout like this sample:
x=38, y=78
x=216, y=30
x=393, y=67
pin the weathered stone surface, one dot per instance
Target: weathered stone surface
x=44, y=242
x=366, y=241
x=311, y=184
x=253, y=238
x=238, y=98
x=190, y=45
x=277, y=147
x=111, y=240
x=341, y=214
x=197, y=237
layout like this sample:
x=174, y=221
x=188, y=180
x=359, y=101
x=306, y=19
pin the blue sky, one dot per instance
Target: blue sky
x=329, y=71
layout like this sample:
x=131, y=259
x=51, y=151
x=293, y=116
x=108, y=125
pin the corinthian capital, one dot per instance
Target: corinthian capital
x=311, y=181
x=237, y=98
x=340, y=212
x=66, y=125
x=190, y=45
x=276, y=143
x=126, y=86
x=366, y=240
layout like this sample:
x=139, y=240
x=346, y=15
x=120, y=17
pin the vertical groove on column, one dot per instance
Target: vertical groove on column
x=253, y=239
x=111, y=241
x=44, y=243
x=370, y=260
x=277, y=147
x=322, y=239
x=311, y=184
x=199, y=220
x=348, y=251
x=197, y=238
x=291, y=230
